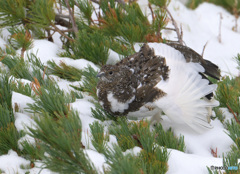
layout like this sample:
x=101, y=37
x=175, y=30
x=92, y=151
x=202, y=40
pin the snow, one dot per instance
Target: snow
x=45, y=50
x=200, y=26
x=78, y=63
x=97, y=159
x=113, y=57
x=22, y=121
x=180, y=162
x=22, y=101
x=11, y=162
x=201, y=144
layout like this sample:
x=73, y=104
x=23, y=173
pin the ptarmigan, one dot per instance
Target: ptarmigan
x=171, y=78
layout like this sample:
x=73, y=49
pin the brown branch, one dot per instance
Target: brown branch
x=166, y=28
x=204, y=48
x=71, y=15
x=150, y=7
x=60, y=7
x=59, y=31
x=49, y=37
x=179, y=34
x=235, y=12
x=230, y=109
x=220, y=27
x=214, y=153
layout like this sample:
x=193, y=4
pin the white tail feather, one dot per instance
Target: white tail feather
x=185, y=90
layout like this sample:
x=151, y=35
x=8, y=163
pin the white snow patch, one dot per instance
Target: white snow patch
x=180, y=162
x=22, y=101
x=134, y=151
x=113, y=57
x=97, y=159
x=11, y=162
x=76, y=63
x=22, y=121
x=201, y=144
x=45, y=50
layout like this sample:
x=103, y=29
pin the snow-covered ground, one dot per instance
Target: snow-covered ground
x=200, y=26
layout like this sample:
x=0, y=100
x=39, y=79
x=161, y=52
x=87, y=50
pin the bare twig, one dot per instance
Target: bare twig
x=49, y=37
x=59, y=9
x=220, y=31
x=204, y=48
x=150, y=7
x=235, y=12
x=166, y=28
x=71, y=15
x=49, y=34
x=179, y=33
x=62, y=33
x=235, y=117
x=236, y=23
x=214, y=153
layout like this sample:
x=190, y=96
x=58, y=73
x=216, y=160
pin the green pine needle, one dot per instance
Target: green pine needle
x=168, y=139
x=61, y=140
x=99, y=138
x=64, y=71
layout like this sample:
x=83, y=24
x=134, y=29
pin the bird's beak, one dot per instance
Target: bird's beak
x=100, y=74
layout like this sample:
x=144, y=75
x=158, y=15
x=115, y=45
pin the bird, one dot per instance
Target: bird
x=169, y=78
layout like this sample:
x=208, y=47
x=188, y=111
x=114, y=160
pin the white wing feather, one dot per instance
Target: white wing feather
x=185, y=90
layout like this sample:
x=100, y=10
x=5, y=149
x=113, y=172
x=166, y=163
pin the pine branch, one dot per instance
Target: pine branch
x=99, y=139
x=64, y=71
x=235, y=117
x=61, y=141
x=60, y=32
x=9, y=135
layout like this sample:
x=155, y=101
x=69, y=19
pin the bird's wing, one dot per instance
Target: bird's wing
x=190, y=55
x=184, y=89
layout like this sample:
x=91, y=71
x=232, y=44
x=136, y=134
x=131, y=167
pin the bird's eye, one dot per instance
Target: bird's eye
x=110, y=72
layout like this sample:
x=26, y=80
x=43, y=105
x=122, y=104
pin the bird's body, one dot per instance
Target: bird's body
x=167, y=80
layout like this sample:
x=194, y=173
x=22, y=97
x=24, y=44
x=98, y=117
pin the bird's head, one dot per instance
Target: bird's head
x=113, y=73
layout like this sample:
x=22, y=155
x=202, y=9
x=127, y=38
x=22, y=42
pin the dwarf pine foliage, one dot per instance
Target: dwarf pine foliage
x=58, y=141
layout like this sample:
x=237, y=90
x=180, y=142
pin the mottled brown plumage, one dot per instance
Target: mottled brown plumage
x=134, y=76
